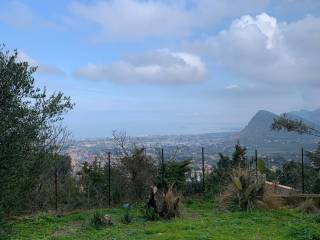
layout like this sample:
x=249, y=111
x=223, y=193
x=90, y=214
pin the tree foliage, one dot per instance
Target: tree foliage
x=174, y=173
x=298, y=126
x=283, y=122
x=30, y=131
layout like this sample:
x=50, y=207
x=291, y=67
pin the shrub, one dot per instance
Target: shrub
x=308, y=206
x=100, y=220
x=166, y=205
x=127, y=217
x=151, y=215
x=5, y=229
x=171, y=201
x=244, y=191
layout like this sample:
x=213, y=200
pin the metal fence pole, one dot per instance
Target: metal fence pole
x=56, y=186
x=302, y=169
x=109, y=178
x=203, y=175
x=256, y=160
x=162, y=168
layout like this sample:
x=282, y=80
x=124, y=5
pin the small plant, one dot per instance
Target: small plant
x=127, y=217
x=304, y=232
x=151, y=215
x=316, y=218
x=100, y=220
x=308, y=206
x=5, y=229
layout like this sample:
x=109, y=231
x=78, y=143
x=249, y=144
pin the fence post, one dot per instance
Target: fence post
x=256, y=160
x=203, y=175
x=162, y=169
x=56, y=186
x=302, y=169
x=109, y=179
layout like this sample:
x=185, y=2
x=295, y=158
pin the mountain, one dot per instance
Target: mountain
x=258, y=134
x=312, y=116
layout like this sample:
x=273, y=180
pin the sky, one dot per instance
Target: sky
x=169, y=67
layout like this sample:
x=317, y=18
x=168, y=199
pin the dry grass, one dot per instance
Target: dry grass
x=171, y=203
x=309, y=206
x=269, y=201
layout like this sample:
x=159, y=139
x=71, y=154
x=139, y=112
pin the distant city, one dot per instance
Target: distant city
x=274, y=147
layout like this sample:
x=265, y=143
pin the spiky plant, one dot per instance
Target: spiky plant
x=165, y=204
x=245, y=189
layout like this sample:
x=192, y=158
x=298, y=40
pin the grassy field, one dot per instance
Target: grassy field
x=200, y=220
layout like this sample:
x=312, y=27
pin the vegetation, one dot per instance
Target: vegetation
x=290, y=175
x=245, y=190
x=200, y=221
x=309, y=206
x=313, y=176
x=36, y=177
x=98, y=220
x=31, y=138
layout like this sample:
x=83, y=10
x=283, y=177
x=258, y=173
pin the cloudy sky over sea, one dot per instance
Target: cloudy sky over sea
x=169, y=67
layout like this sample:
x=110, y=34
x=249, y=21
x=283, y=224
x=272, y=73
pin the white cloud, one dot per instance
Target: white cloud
x=161, y=66
x=129, y=18
x=232, y=86
x=133, y=19
x=42, y=68
x=17, y=14
x=21, y=16
x=262, y=50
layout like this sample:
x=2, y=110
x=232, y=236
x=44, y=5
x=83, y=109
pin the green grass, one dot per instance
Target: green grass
x=200, y=221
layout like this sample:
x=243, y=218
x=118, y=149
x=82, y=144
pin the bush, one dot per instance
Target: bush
x=244, y=191
x=100, y=220
x=167, y=204
x=151, y=215
x=170, y=206
x=127, y=217
x=5, y=229
x=308, y=206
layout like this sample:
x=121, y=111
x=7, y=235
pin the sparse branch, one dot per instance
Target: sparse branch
x=174, y=155
x=293, y=125
x=120, y=139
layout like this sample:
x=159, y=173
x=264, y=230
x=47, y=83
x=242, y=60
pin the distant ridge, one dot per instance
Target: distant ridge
x=312, y=116
x=258, y=134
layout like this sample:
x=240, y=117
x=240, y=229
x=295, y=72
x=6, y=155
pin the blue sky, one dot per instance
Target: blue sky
x=169, y=67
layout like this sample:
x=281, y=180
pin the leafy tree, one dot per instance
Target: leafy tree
x=314, y=157
x=291, y=176
x=225, y=166
x=283, y=122
x=175, y=172
x=29, y=126
x=140, y=172
x=94, y=180
x=298, y=126
x=239, y=156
